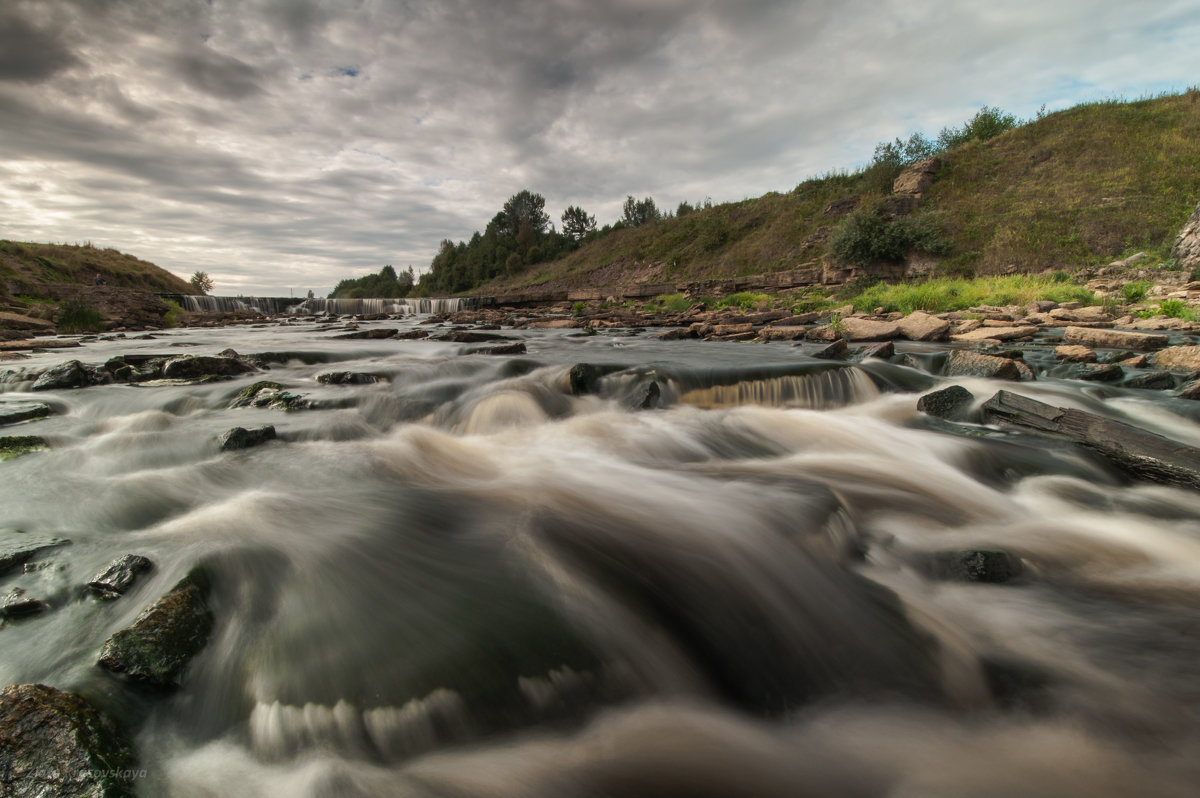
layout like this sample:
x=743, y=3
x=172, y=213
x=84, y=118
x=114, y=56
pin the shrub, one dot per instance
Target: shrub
x=1174, y=308
x=1135, y=291
x=744, y=300
x=75, y=317
x=866, y=236
x=171, y=318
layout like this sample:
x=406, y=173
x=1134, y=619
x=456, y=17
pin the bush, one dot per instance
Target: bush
x=75, y=317
x=866, y=236
x=1135, y=291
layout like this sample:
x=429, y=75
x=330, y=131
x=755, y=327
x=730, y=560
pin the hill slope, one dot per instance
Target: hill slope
x=24, y=267
x=1073, y=188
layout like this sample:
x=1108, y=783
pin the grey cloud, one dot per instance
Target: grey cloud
x=216, y=74
x=30, y=55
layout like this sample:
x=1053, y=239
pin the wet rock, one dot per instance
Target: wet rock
x=377, y=334
x=882, y=350
x=963, y=363
x=120, y=575
x=411, y=335
x=1122, y=356
x=1114, y=339
x=18, y=548
x=950, y=403
x=346, y=378
x=976, y=565
x=269, y=395
x=837, y=350
x=160, y=643
x=1096, y=372
x=675, y=334
x=1189, y=390
x=1154, y=380
x=17, y=445
x=54, y=743
x=193, y=367
x=1075, y=354
x=246, y=397
x=920, y=326
x=17, y=604
x=646, y=396
x=509, y=349
x=583, y=378
x=242, y=438
x=16, y=412
x=1179, y=357
x=471, y=337
x=71, y=374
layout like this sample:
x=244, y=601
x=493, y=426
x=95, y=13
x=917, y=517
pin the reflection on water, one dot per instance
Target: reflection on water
x=707, y=569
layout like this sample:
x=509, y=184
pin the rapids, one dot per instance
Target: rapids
x=704, y=569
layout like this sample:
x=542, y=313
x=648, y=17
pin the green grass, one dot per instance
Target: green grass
x=31, y=263
x=946, y=294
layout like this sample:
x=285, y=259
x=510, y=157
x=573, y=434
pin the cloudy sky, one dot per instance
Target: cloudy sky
x=281, y=145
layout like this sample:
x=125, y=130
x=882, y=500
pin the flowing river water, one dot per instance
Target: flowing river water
x=699, y=568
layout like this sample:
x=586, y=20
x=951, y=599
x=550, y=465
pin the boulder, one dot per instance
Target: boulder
x=1074, y=353
x=1152, y=380
x=1189, y=390
x=346, y=378
x=54, y=743
x=858, y=329
x=882, y=350
x=823, y=332
x=119, y=576
x=1114, y=339
x=920, y=326
x=835, y=350
x=995, y=334
x=976, y=565
x=1179, y=357
x=517, y=348
x=1096, y=372
x=194, y=367
x=242, y=438
x=950, y=403
x=1186, y=250
x=781, y=333
x=17, y=604
x=162, y=640
x=71, y=374
x=963, y=363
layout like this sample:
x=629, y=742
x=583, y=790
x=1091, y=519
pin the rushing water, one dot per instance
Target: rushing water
x=707, y=573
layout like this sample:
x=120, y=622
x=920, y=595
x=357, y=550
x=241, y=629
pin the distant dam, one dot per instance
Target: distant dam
x=273, y=306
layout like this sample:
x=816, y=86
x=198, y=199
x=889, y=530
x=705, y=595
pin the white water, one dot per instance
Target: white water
x=463, y=580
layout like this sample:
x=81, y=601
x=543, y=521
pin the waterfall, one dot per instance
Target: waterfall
x=268, y=306
x=416, y=306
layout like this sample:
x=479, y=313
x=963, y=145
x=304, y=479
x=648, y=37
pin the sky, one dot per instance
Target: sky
x=283, y=145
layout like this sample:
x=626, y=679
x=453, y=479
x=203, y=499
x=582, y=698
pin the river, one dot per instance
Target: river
x=699, y=568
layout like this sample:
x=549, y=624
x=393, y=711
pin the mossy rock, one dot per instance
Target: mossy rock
x=17, y=445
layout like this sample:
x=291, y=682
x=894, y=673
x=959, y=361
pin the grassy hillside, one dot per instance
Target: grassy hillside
x=1073, y=188
x=25, y=266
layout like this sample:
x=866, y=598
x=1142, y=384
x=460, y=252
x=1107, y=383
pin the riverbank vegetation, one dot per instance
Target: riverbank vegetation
x=1064, y=190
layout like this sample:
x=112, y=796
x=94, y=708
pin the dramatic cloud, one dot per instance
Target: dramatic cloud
x=284, y=144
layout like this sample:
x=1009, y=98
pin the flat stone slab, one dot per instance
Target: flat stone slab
x=995, y=334
x=856, y=329
x=22, y=410
x=1179, y=357
x=1114, y=339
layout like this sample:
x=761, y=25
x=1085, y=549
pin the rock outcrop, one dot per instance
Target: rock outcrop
x=1186, y=251
x=916, y=179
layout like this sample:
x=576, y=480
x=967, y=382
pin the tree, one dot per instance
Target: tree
x=638, y=212
x=524, y=210
x=201, y=282
x=577, y=224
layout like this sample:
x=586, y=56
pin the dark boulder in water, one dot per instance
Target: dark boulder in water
x=836, y=350
x=194, y=367
x=242, y=438
x=949, y=403
x=71, y=374
x=517, y=348
x=976, y=565
x=120, y=575
x=53, y=743
x=19, y=605
x=17, y=445
x=165, y=637
x=346, y=378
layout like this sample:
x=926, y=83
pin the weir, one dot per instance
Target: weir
x=272, y=306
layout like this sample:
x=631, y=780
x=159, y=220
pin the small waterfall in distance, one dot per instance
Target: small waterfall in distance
x=271, y=306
